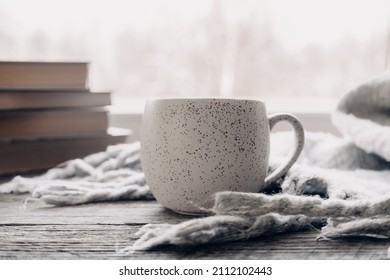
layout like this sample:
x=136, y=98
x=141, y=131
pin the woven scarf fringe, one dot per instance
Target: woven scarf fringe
x=218, y=229
x=242, y=216
x=236, y=203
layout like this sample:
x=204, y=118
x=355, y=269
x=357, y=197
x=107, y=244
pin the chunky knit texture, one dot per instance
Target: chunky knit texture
x=106, y=176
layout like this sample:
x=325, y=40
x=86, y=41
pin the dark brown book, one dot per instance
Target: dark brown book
x=15, y=99
x=20, y=156
x=51, y=123
x=43, y=75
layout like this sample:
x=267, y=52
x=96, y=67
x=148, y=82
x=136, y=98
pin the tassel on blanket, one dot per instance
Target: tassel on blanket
x=217, y=229
x=375, y=228
x=249, y=204
x=75, y=193
x=241, y=216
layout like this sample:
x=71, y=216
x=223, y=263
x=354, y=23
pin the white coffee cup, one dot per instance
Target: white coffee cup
x=193, y=148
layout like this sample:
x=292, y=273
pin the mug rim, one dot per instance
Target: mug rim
x=223, y=99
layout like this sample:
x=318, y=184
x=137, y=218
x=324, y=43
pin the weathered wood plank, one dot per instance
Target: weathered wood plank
x=121, y=212
x=95, y=231
x=102, y=241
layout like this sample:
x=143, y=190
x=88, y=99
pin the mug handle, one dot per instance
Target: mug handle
x=294, y=154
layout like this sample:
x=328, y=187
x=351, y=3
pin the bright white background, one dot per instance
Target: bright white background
x=302, y=54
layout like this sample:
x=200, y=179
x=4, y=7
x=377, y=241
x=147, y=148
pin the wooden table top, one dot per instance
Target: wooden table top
x=94, y=231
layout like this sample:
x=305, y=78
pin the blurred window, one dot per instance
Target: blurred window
x=301, y=54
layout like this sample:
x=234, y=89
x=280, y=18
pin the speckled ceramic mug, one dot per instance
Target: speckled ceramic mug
x=193, y=148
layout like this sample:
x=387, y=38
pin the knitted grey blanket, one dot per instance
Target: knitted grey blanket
x=339, y=185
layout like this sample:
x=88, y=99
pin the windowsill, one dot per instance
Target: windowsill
x=314, y=115
x=292, y=105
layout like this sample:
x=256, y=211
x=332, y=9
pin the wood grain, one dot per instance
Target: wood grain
x=96, y=231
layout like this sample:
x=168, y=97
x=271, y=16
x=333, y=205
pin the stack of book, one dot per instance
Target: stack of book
x=48, y=115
